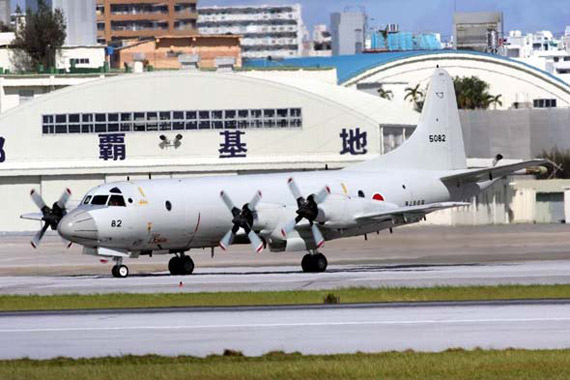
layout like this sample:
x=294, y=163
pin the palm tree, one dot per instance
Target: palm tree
x=495, y=100
x=471, y=93
x=416, y=95
x=385, y=94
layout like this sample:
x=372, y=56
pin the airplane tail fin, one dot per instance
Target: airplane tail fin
x=437, y=142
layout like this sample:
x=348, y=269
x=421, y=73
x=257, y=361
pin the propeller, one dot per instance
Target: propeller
x=242, y=218
x=51, y=216
x=307, y=209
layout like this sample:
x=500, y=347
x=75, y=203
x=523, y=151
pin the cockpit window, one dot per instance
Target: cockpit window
x=117, y=200
x=87, y=199
x=99, y=200
x=115, y=190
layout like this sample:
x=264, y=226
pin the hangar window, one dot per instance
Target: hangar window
x=172, y=120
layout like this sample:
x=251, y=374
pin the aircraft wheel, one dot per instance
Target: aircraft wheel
x=320, y=263
x=307, y=263
x=174, y=265
x=120, y=271
x=186, y=265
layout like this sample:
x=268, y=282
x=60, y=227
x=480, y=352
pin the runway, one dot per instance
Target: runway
x=310, y=330
x=292, y=278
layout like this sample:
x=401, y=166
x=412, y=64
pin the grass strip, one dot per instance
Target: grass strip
x=451, y=364
x=345, y=296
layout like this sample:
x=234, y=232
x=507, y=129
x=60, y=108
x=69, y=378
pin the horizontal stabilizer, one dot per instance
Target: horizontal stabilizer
x=409, y=210
x=32, y=216
x=488, y=174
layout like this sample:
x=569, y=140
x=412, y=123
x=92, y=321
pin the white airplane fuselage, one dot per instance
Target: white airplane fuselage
x=198, y=218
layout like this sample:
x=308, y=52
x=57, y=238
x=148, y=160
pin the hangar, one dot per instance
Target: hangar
x=519, y=84
x=182, y=123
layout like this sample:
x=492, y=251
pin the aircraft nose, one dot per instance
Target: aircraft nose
x=78, y=227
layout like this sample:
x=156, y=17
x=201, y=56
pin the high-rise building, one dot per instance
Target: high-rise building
x=127, y=19
x=481, y=31
x=79, y=17
x=268, y=31
x=5, y=11
x=348, y=30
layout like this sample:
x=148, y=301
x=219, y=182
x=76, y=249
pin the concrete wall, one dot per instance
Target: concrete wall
x=517, y=134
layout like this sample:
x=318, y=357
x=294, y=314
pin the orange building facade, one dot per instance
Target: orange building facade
x=164, y=52
x=132, y=19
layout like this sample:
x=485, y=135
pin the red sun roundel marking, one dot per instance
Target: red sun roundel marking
x=378, y=197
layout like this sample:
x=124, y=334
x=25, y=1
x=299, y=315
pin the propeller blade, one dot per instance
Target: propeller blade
x=256, y=242
x=227, y=240
x=322, y=195
x=33, y=216
x=254, y=201
x=39, y=235
x=227, y=200
x=288, y=227
x=318, y=236
x=294, y=188
x=37, y=198
x=64, y=198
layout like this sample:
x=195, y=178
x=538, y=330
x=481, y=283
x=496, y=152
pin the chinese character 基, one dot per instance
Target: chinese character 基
x=353, y=141
x=232, y=145
x=112, y=146
x=2, y=153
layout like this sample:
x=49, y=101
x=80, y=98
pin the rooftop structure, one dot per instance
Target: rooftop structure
x=480, y=31
x=268, y=31
x=126, y=19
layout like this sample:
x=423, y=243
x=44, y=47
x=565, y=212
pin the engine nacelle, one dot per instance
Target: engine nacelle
x=341, y=212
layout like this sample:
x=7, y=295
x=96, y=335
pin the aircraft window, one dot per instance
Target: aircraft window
x=168, y=205
x=115, y=190
x=100, y=200
x=361, y=194
x=130, y=200
x=117, y=200
x=87, y=199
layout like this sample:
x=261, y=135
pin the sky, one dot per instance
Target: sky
x=427, y=15
x=432, y=15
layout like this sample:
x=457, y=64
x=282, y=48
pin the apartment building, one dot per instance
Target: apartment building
x=132, y=19
x=267, y=31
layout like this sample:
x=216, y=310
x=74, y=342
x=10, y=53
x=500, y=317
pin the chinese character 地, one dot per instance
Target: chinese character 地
x=232, y=146
x=354, y=141
x=112, y=146
x=2, y=153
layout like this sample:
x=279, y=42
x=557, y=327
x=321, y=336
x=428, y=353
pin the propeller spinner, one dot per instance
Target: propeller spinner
x=307, y=209
x=51, y=216
x=242, y=218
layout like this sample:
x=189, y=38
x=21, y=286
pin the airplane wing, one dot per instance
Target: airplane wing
x=488, y=174
x=413, y=211
x=32, y=216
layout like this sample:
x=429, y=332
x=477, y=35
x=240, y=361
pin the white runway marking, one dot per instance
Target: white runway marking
x=272, y=325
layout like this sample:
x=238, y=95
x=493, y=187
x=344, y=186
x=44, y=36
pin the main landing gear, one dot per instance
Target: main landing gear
x=181, y=265
x=314, y=263
x=119, y=270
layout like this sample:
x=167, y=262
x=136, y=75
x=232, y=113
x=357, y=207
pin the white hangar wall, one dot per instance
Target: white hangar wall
x=517, y=82
x=300, y=127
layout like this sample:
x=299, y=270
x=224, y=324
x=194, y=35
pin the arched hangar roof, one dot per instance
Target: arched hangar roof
x=351, y=67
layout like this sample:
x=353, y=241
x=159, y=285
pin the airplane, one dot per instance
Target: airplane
x=291, y=212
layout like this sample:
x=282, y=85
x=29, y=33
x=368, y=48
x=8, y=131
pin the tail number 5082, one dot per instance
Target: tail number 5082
x=436, y=138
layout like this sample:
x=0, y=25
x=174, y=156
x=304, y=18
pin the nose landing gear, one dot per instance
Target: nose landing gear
x=181, y=265
x=119, y=270
x=314, y=263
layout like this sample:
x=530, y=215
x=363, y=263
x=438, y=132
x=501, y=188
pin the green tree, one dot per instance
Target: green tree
x=558, y=163
x=385, y=94
x=41, y=37
x=472, y=93
x=415, y=95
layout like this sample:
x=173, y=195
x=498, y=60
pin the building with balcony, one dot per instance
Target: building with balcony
x=268, y=31
x=128, y=19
